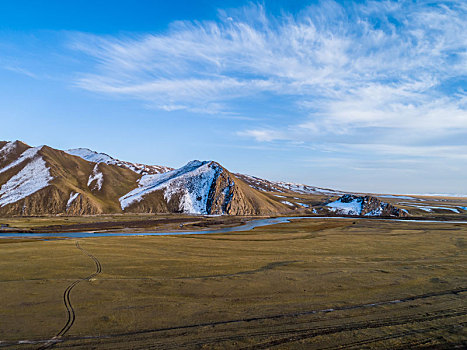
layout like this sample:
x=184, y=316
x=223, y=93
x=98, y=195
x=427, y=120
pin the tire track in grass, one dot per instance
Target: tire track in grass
x=312, y=333
x=454, y=292
x=67, y=301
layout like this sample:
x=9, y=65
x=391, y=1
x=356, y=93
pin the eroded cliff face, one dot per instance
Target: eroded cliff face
x=230, y=195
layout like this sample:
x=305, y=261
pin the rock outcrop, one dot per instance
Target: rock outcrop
x=350, y=204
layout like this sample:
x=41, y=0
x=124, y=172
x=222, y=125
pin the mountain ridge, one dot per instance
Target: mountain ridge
x=43, y=180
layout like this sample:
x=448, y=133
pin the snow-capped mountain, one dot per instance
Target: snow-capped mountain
x=43, y=180
x=202, y=187
x=95, y=157
x=191, y=184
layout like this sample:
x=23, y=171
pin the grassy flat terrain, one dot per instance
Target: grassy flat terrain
x=304, y=285
x=118, y=223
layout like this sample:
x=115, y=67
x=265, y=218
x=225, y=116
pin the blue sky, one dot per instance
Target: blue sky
x=354, y=95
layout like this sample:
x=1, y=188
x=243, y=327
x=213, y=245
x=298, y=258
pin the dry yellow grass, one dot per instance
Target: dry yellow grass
x=251, y=289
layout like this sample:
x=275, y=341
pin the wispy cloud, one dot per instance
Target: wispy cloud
x=20, y=70
x=395, y=66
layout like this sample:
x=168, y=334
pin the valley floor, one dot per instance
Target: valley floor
x=318, y=284
x=118, y=223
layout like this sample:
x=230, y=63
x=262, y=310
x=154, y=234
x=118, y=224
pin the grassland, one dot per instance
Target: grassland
x=304, y=285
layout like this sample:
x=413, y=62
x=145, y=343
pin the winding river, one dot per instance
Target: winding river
x=250, y=225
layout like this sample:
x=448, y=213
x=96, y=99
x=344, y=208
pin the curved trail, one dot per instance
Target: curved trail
x=66, y=299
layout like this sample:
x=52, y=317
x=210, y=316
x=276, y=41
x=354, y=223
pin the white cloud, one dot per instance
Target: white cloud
x=374, y=65
x=263, y=134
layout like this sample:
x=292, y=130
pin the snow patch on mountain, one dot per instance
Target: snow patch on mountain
x=91, y=156
x=7, y=149
x=32, y=178
x=97, y=176
x=282, y=187
x=429, y=208
x=192, y=183
x=95, y=157
x=351, y=207
x=28, y=154
x=73, y=196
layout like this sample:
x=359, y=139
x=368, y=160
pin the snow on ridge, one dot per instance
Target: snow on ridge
x=7, y=149
x=91, y=156
x=95, y=157
x=191, y=182
x=96, y=175
x=73, y=196
x=27, y=154
x=279, y=186
x=32, y=178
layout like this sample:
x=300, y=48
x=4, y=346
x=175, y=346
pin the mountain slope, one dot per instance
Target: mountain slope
x=43, y=180
x=199, y=187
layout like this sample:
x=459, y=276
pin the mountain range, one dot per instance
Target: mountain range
x=43, y=180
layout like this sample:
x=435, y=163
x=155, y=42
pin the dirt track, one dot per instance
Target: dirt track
x=67, y=301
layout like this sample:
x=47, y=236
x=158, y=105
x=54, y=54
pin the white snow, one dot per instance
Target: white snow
x=279, y=186
x=447, y=208
x=191, y=182
x=28, y=154
x=92, y=156
x=97, y=176
x=73, y=196
x=304, y=189
x=352, y=208
x=304, y=205
x=32, y=178
x=396, y=196
x=288, y=203
x=6, y=149
x=429, y=208
x=441, y=195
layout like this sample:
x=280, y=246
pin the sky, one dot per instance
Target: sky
x=367, y=96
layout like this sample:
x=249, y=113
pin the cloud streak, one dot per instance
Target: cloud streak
x=400, y=67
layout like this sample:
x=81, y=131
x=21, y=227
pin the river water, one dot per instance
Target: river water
x=250, y=225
